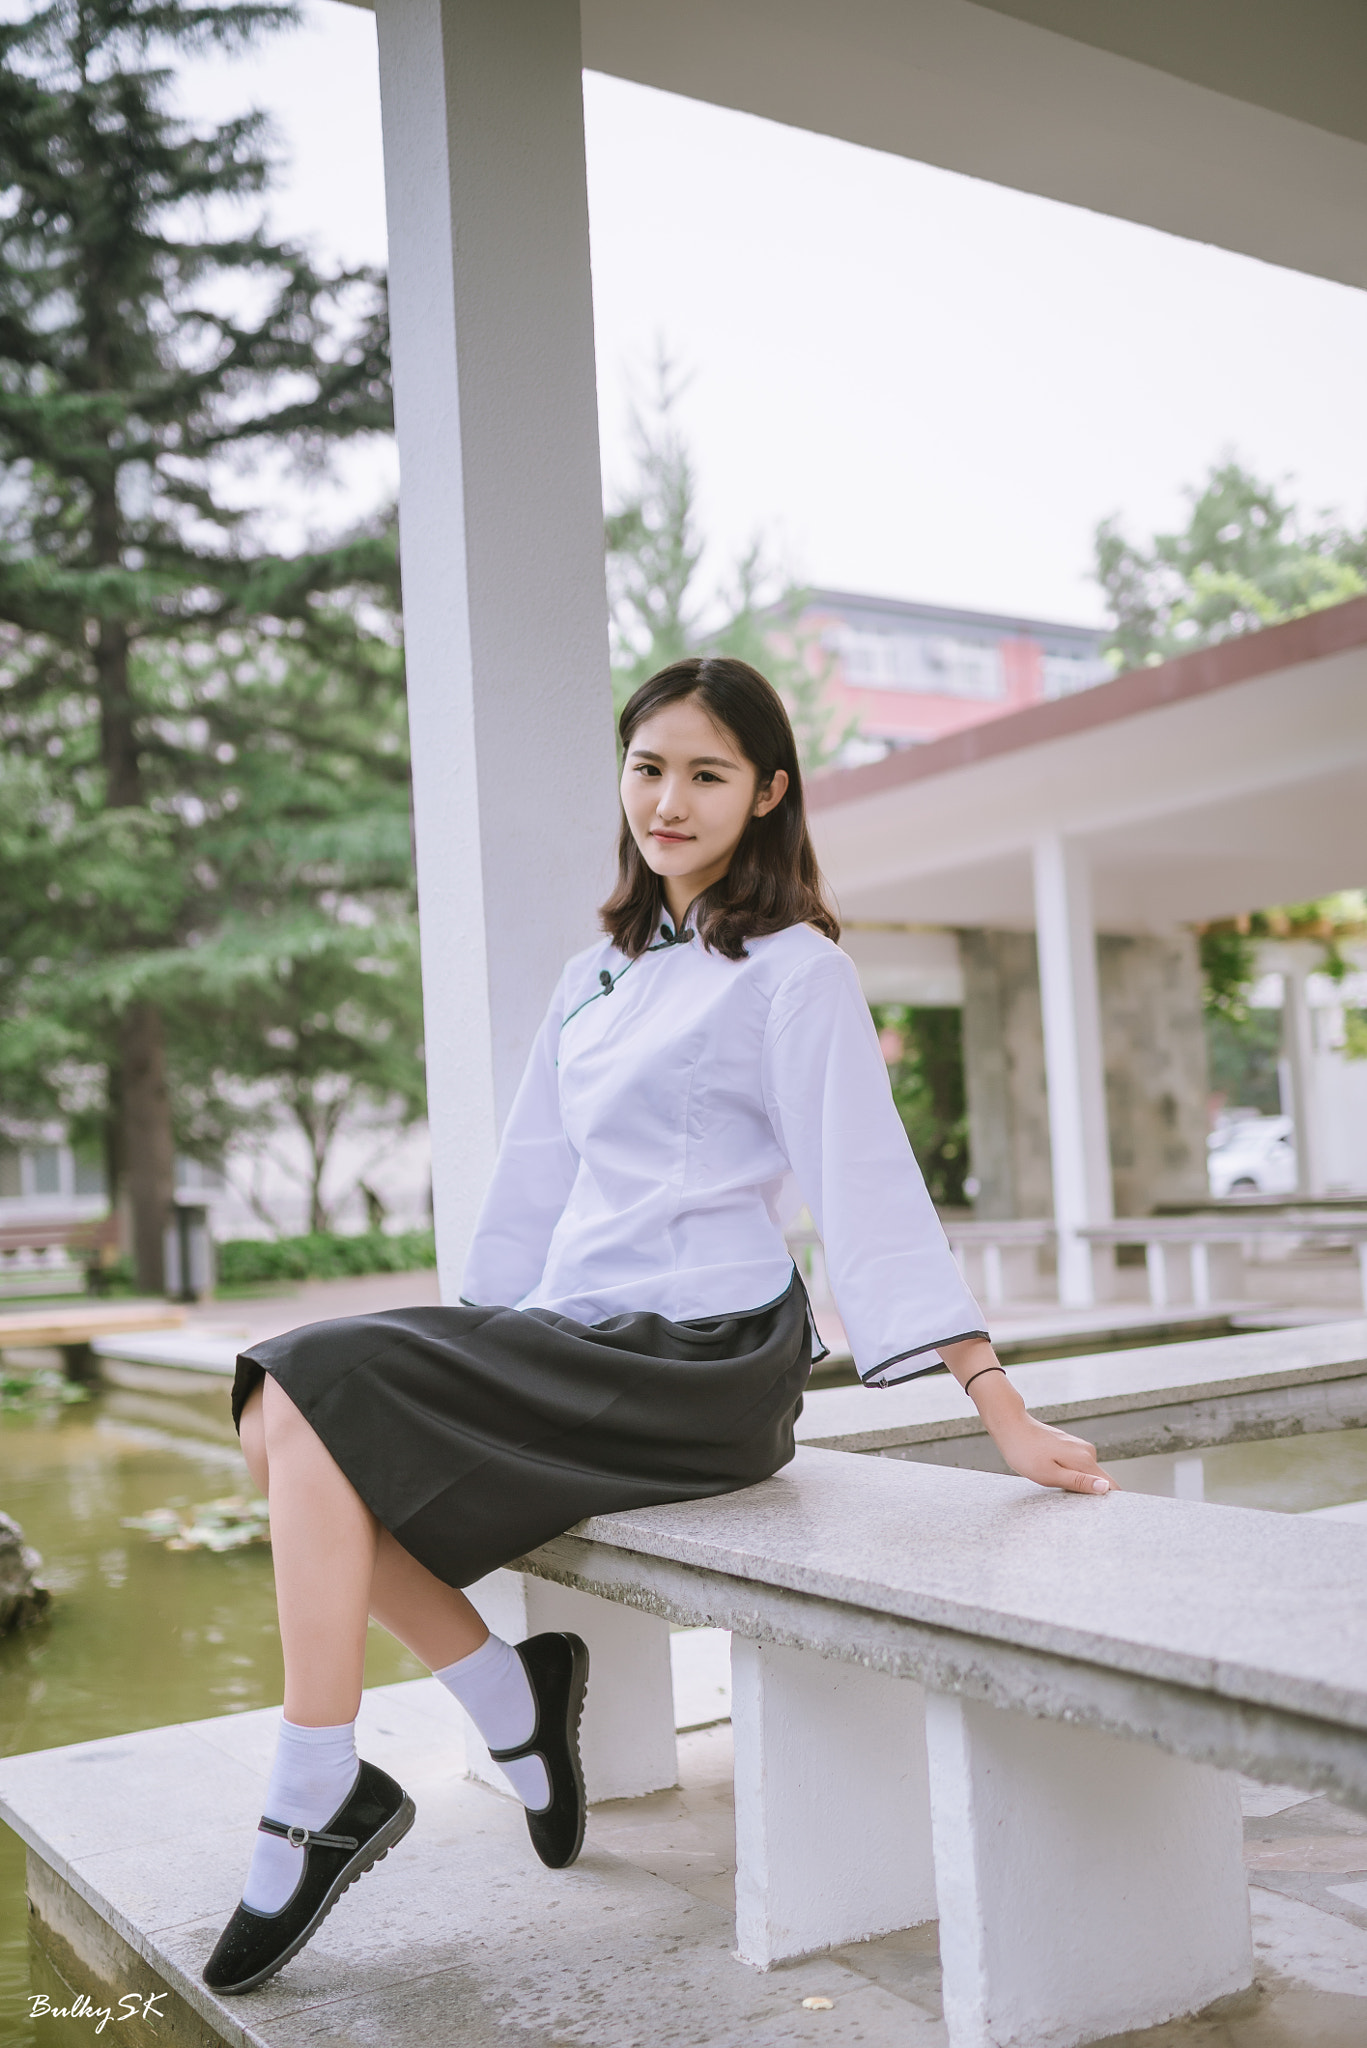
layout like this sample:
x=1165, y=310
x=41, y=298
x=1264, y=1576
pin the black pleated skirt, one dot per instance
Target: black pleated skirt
x=474, y=1434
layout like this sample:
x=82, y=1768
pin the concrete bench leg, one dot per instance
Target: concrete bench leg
x=627, y=1739
x=1156, y=1259
x=832, y=1804
x=1200, y=1275
x=1088, y=1886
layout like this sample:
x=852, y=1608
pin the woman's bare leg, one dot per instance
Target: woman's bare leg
x=432, y=1619
x=334, y=1565
x=324, y=1541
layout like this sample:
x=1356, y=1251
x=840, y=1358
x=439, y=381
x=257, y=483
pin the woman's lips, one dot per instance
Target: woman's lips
x=673, y=838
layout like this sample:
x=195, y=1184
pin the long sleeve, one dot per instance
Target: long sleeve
x=898, y=1289
x=532, y=1178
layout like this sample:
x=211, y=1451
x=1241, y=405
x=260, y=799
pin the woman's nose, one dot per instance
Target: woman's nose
x=670, y=806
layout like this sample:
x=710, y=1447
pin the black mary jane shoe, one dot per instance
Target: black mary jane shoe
x=557, y=1668
x=375, y=1814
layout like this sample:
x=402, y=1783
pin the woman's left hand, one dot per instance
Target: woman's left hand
x=1038, y=1451
x=1049, y=1456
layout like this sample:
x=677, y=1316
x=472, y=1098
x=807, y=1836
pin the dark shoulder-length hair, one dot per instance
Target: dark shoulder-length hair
x=773, y=880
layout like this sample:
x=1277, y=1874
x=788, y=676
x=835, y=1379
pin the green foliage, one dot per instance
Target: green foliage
x=204, y=792
x=927, y=1080
x=1228, y=966
x=322, y=1255
x=1242, y=1053
x=262, y=899
x=1355, y=1034
x=658, y=613
x=1244, y=559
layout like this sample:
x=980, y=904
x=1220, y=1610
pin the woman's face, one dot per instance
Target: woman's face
x=689, y=792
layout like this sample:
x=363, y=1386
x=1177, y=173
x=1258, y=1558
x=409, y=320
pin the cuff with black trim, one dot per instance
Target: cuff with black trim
x=871, y=1378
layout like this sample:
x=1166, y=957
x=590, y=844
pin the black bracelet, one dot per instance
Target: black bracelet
x=979, y=1373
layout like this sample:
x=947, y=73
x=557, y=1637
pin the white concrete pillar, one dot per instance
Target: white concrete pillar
x=832, y=1804
x=505, y=613
x=626, y=1741
x=1087, y=1886
x=1298, y=1052
x=1071, y=1009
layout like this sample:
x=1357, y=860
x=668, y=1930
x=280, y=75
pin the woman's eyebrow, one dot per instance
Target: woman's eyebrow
x=698, y=761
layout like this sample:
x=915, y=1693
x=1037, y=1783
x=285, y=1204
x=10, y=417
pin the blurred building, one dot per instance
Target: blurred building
x=907, y=673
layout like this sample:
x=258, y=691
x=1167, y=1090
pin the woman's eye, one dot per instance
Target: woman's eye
x=706, y=775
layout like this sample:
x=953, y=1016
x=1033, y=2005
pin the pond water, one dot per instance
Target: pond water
x=139, y=1636
x=1293, y=1475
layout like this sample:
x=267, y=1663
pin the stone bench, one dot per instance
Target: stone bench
x=55, y=1254
x=1001, y=1260
x=955, y=1692
x=1130, y=1404
x=1212, y=1248
x=74, y=1331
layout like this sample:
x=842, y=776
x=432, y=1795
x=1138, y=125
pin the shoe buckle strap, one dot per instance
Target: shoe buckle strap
x=305, y=1838
x=533, y=1746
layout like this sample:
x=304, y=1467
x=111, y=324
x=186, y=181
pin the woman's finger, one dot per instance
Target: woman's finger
x=1085, y=1482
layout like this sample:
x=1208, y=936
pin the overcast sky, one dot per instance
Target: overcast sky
x=913, y=383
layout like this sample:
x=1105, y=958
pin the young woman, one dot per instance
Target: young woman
x=632, y=1328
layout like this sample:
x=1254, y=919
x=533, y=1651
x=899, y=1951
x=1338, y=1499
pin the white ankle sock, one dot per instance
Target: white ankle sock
x=313, y=1771
x=492, y=1686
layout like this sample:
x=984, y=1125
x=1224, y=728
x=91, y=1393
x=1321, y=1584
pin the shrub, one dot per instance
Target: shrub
x=322, y=1255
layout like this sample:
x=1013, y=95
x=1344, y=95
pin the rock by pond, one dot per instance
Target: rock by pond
x=23, y=1596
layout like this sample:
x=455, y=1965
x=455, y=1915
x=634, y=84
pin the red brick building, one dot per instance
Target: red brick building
x=914, y=672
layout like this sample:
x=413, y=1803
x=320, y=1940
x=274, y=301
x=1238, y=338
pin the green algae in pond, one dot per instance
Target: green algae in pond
x=43, y=1386
x=216, y=1525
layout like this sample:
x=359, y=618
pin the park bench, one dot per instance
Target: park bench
x=1212, y=1249
x=1000, y=1260
x=55, y=1254
x=1130, y=1404
x=952, y=1686
x=73, y=1331
x=1198, y=1259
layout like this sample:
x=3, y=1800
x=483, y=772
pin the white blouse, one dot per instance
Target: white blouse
x=675, y=1113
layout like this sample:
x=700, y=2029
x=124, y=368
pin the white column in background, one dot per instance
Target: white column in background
x=1298, y=1051
x=505, y=612
x=1071, y=1009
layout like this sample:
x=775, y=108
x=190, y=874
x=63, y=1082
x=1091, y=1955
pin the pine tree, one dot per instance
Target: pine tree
x=130, y=377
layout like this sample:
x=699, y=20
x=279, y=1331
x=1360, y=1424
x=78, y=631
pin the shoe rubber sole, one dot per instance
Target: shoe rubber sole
x=579, y=1689
x=372, y=1852
x=579, y=1678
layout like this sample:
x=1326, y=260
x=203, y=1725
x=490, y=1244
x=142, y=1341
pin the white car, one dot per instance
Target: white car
x=1253, y=1155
